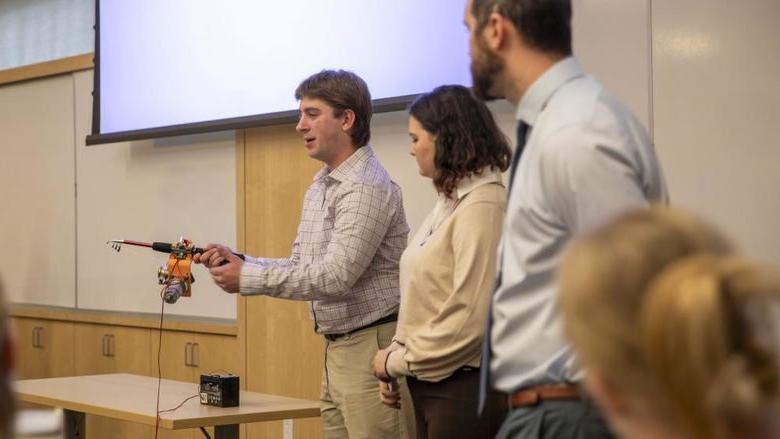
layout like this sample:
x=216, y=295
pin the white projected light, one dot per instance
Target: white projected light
x=182, y=62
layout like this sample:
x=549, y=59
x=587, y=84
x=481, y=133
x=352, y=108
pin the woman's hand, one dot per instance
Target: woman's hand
x=389, y=394
x=379, y=365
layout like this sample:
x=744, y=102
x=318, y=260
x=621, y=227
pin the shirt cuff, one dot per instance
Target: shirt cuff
x=251, y=259
x=396, y=365
x=250, y=281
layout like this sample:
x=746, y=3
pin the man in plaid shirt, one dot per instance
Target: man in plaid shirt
x=345, y=256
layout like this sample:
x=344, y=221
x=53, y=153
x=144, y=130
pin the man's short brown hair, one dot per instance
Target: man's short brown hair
x=342, y=90
x=545, y=25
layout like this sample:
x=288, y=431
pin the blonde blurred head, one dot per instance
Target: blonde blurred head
x=665, y=354
x=710, y=329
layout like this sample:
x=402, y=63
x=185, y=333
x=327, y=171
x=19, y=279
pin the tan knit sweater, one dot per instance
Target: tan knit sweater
x=447, y=274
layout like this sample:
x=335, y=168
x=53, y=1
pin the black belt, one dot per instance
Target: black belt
x=386, y=319
x=462, y=372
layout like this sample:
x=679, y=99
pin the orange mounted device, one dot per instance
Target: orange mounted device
x=176, y=274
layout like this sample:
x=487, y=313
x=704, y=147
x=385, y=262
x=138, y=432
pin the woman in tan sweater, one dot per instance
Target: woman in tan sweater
x=449, y=268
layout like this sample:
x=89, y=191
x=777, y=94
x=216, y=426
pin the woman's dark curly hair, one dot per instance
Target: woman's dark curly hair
x=467, y=137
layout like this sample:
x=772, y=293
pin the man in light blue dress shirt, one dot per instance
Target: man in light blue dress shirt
x=582, y=157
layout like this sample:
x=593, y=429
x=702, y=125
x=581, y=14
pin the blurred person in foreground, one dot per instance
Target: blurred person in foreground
x=6, y=369
x=679, y=337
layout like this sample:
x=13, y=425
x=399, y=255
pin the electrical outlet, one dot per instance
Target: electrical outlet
x=287, y=429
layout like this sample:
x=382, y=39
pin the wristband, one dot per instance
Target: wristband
x=387, y=357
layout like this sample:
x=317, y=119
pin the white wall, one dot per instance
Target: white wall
x=703, y=76
x=63, y=200
x=151, y=190
x=33, y=31
x=716, y=87
x=37, y=217
x=707, y=82
x=612, y=41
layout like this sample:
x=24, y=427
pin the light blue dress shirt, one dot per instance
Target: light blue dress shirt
x=587, y=158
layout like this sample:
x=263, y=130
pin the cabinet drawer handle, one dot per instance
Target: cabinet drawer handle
x=108, y=345
x=187, y=350
x=195, y=355
x=37, y=343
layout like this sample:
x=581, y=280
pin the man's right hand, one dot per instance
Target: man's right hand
x=213, y=255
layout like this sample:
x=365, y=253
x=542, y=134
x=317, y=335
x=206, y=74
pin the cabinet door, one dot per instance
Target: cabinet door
x=44, y=348
x=110, y=349
x=185, y=356
x=215, y=354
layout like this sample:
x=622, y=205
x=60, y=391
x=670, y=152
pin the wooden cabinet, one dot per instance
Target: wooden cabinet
x=44, y=348
x=214, y=354
x=54, y=342
x=185, y=356
x=102, y=349
x=110, y=349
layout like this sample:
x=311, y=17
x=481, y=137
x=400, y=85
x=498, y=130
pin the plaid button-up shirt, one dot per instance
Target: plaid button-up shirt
x=345, y=255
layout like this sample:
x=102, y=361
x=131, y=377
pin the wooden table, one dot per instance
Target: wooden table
x=133, y=398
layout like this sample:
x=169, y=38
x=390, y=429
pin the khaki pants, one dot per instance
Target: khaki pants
x=349, y=401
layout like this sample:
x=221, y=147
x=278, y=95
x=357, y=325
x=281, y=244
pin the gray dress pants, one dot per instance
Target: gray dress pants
x=555, y=419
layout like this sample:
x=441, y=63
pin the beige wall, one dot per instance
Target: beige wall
x=702, y=74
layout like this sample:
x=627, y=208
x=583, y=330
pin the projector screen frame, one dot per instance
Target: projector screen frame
x=395, y=103
x=234, y=123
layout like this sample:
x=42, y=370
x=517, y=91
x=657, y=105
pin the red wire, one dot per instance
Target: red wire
x=159, y=369
x=138, y=243
x=159, y=350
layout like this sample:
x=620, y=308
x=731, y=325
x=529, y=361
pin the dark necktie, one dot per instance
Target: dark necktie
x=484, y=366
x=522, y=134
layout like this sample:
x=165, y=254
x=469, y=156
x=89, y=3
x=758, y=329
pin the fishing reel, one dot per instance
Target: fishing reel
x=176, y=274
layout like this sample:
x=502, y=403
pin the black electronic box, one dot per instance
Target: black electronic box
x=219, y=390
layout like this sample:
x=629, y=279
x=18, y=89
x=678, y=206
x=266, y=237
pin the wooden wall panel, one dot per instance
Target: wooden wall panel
x=283, y=354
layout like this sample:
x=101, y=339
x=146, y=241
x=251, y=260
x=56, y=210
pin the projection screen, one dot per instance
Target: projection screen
x=188, y=66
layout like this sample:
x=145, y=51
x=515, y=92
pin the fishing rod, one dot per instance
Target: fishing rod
x=176, y=275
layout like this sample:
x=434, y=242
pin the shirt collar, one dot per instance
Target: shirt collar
x=348, y=167
x=468, y=184
x=535, y=98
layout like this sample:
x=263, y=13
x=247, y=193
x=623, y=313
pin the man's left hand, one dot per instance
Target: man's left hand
x=226, y=275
